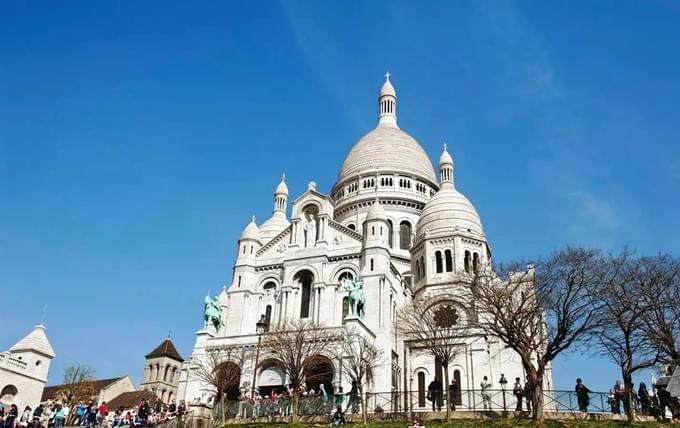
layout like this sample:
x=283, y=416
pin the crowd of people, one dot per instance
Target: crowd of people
x=278, y=401
x=90, y=415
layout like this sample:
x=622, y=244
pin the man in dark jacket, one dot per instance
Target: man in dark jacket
x=435, y=392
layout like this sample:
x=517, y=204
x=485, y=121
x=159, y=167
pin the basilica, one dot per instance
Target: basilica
x=388, y=220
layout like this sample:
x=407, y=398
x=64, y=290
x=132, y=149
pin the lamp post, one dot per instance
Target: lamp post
x=260, y=328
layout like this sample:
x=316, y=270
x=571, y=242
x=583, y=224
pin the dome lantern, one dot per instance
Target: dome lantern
x=387, y=104
x=281, y=195
x=445, y=168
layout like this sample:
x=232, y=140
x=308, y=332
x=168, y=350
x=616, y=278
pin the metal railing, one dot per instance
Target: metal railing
x=403, y=403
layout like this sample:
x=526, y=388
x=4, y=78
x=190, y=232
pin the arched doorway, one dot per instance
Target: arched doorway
x=319, y=370
x=8, y=393
x=270, y=377
x=228, y=375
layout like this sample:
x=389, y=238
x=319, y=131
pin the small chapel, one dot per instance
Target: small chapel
x=390, y=220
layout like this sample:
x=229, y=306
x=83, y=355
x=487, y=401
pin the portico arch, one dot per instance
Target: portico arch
x=228, y=374
x=318, y=369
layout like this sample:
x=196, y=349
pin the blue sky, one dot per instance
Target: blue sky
x=137, y=139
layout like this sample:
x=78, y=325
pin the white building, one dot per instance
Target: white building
x=390, y=220
x=24, y=369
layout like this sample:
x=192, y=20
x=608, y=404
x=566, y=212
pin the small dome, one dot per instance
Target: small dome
x=449, y=212
x=276, y=224
x=251, y=231
x=377, y=212
x=282, y=189
x=445, y=158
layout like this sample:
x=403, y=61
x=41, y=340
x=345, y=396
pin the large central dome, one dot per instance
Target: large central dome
x=387, y=149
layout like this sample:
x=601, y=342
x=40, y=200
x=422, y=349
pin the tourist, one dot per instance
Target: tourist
x=25, y=417
x=528, y=394
x=339, y=398
x=611, y=400
x=257, y=398
x=518, y=392
x=103, y=412
x=453, y=393
x=182, y=408
x=338, y=417
x=643, y=395
x=582, y=396
x=59, y=417
x=80, y=412
x=37, y=415
x=143, y=411
x=434, y=391
x=11, y=416
x=619, y=394
x=485, y=386
x=502, y=381
x=91, y=415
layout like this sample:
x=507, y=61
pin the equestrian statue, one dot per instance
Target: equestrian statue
x=212, y=314
x=357, y=298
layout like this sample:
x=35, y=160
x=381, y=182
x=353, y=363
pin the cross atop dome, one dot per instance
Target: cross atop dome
x=387, y=76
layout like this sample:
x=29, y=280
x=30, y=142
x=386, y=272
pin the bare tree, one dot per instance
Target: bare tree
x=620, y=333
x=296, y=346
x=538, y=311
x=359, y=358
x=662, y=295
x=220, y=367
x=78, y=385
x=433, y=324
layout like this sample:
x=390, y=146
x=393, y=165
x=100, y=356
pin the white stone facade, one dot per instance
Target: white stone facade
x=24, y=369
x=387, y=220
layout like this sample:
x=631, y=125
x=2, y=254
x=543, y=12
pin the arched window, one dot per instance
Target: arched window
x=345, y=307
x=165, y=373
x=269, y=288
x=417, y=270
x=305, y=279
x=438, y=261
x=345, y=275
x=475, y=263
x=239, y=281
x=467, y=261
x=390, y=233
x=372, y=265
x=352, y=226
x=404, y=235
x=268, y=316
x=422, y=266
x=449, y=261
x=421, y=389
